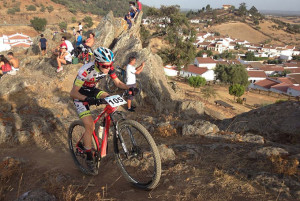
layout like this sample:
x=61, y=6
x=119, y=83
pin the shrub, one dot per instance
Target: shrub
x=63, y=25
x=38, y=24
x=208, y=92
x=50, y=9
x=43, y=8
x=31, y=8
x=236, y=90
x=196, y=81
x=88, y=21
x=280, y=101
x=13, y=10
x=73, y=20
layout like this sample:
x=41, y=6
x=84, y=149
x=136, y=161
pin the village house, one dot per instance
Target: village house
x=272, y=69
x=192, y=70
x=205, y=61
x=171, y=70
x=256, y=75
x=294, y=90
x=14, y=40
x=227, y=7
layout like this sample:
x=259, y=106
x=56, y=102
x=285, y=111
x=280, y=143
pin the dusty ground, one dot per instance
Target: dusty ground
x=240, y=31
x=222, y=94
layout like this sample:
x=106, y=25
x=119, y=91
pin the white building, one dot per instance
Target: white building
x=170, y=70
x=205, y=62
x=256, y=75
x=192, y=70
x=294, y=90
x=15, y=40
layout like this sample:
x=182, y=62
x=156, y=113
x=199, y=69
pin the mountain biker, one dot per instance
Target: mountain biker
x=131, y=73
x=85, y=93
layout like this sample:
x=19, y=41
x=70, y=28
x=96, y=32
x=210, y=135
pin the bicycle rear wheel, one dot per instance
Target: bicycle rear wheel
x=75, y=140
x=137, y=155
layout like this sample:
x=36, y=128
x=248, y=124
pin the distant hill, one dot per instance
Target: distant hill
x=280, y=12
x=97, y=7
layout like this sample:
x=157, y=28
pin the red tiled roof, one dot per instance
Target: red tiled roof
x=256, y=64
x=286, y=80
x=295, y=77
x=207, y=60
x=197, y=70
x=18, y=37
x=297, y=88
x=272, y=68
x=282, y=87
x=222, y=62
x=290, y=47
x=256, y=73
x=267, y=83
x=20, y=45
x=293, y=70
x=292, y=65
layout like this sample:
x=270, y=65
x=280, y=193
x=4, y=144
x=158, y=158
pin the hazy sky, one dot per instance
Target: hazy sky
x=286, y=5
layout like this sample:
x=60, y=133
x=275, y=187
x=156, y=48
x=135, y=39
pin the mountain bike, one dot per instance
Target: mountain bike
x=121, y=73
x=135, y=151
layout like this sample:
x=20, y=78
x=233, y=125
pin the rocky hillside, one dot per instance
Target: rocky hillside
x=200, y=160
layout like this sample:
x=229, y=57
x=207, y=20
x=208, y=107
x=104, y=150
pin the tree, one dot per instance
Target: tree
x=208, y=92
x=196, y=81
x=63, y=25
x=38, y=24
x=182, y=50
x=236, y=90
x=208, y=8
x=253, y=11
x=232, y=74
x=249, y=56
x=88, y=21
x=242, y=9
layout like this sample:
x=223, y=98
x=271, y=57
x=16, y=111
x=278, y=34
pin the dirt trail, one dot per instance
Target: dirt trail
x=203, y=170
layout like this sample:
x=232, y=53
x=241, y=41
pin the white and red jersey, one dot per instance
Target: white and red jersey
x=89, y=75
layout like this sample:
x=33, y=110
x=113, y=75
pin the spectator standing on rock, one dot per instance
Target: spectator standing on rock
x=79, y=27
x=78, y=39
x=64, y=58
x=74, y=31
x=43, y=44
x=5, y=67
x=139, y=6
x=133, y=10
x=128, y=20
x=131, y=73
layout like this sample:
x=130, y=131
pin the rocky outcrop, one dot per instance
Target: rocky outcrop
x=156, y=91
x=36, y=195
x=278, y=122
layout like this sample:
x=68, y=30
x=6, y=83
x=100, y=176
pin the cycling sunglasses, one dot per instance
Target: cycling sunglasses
x=105, y=66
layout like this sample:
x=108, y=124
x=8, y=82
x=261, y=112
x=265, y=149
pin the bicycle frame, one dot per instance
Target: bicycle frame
x=108, y=110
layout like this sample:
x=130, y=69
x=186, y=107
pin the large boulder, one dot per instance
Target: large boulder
x=278, y=122
x=200, y=127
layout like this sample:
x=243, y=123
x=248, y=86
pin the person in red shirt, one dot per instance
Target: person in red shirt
x=57, y=50
x=5, y=67
x=139, y=5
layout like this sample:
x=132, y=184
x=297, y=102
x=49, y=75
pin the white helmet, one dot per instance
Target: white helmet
x=103, y=54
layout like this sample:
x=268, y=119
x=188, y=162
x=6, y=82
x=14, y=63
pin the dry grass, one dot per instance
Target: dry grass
x=241, y=31
x=285, y=165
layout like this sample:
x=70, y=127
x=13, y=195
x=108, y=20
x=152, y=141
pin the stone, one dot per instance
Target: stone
x=36, y=195
x=251, y=138
x=191, y=109
x=6, y=133
x=200, y=127
x=268, y=152
x=276, y=122
x=166, y=153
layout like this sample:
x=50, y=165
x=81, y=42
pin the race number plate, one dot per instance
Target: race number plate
x=115, y=100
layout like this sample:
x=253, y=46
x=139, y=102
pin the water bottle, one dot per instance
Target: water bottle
x=101, y=132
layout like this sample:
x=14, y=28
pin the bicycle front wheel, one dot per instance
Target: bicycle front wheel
x=75, y=139
x=110, y=85
x=137, y=155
